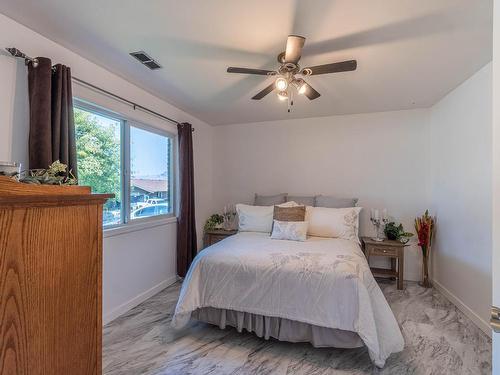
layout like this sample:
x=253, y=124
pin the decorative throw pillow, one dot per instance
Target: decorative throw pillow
x=294, y=213
x=269, y=200
x=254, y=218
x=333, y=222
x=303, y=200
x=289, y=230
x=334, y=202
x=289, y=204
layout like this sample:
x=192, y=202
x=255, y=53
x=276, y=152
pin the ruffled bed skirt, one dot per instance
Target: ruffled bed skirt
x=279, y=328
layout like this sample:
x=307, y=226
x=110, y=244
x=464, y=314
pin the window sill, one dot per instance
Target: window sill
x=137, y=226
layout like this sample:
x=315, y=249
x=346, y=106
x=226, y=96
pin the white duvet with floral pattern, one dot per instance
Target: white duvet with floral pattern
x=322, y=281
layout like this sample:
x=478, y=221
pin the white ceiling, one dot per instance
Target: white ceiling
x=410, y=52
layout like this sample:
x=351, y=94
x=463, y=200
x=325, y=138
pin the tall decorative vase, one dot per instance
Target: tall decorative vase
x=426, y=283
x=425, y=226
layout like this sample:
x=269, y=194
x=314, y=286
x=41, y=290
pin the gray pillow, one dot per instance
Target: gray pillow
x=305, y=200
x=334, y=202
x=269, y=200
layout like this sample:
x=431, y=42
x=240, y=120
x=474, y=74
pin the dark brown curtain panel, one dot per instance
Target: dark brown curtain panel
x=52, y=128
x=186, y=227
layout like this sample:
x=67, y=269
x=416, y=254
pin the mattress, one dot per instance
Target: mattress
x=321, y=282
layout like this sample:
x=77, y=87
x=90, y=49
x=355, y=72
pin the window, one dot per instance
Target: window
x=98, y=150
x=150, y=193
x=107, y=147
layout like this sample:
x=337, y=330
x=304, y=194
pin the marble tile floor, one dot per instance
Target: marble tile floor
x=439, y=340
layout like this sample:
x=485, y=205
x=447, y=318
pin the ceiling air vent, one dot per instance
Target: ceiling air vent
x=145, y=59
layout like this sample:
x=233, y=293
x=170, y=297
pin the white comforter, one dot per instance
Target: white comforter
x=322, y=281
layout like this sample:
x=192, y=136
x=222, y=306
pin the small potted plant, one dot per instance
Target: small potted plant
x=396, y=232
x=56, y=174
x=214, y=222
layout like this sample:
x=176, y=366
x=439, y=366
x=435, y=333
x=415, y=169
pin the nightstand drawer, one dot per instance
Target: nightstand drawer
x=383, y=251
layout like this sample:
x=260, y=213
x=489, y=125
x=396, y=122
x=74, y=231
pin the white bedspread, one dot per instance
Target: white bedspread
x=322, y=281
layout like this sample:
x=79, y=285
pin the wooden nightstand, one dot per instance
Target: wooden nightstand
x=387, y=248
x=213, y=236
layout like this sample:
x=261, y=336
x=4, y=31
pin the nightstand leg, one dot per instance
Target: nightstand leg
x=393, y=267
x=401, y=265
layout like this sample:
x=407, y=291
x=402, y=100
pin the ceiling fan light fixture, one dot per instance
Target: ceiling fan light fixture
x=300, y=85
x=285, y=78
x=281, y=84
x=282, y=95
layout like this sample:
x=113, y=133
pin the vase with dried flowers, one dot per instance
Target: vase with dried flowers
x=424, y=226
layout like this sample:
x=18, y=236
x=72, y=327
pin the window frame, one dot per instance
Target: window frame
x=125, y=174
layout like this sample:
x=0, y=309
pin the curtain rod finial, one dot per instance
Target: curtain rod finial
x=16, y=53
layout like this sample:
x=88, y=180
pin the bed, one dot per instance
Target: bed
x=319, y=291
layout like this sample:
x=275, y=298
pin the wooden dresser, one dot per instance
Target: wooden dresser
x=50, y=279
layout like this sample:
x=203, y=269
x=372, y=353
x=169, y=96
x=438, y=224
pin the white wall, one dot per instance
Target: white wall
x=461, y=193
x=495, y=264
x=438, y=158
x=135, y=263
x=405, y=161
x=380, y=158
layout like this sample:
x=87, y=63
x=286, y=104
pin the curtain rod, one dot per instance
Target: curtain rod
x=16, y=53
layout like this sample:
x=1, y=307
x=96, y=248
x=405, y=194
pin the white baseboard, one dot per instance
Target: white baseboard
x=476, y=319
x=123, y=308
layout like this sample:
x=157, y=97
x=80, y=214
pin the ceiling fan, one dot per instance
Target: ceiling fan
x=289, y=67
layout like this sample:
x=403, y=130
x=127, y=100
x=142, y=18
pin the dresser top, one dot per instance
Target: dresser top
x=13, y=193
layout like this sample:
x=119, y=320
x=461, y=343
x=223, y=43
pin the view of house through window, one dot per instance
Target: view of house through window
x=150, y=174
x=100, y=147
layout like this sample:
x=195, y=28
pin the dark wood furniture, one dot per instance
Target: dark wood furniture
x=50, y=279
x=213, y=236
x=387, y=248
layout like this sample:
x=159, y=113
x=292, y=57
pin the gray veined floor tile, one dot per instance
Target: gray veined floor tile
x=439, y=340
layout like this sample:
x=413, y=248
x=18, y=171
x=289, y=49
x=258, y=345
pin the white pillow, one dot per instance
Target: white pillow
x=254, y=218
x=290, y=230
x=333, y=222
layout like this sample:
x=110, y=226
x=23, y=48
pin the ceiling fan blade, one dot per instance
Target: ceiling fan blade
x=261, y=72
x=293, y=50
x=343, y=66
x=311, y=93
x=264, y=92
